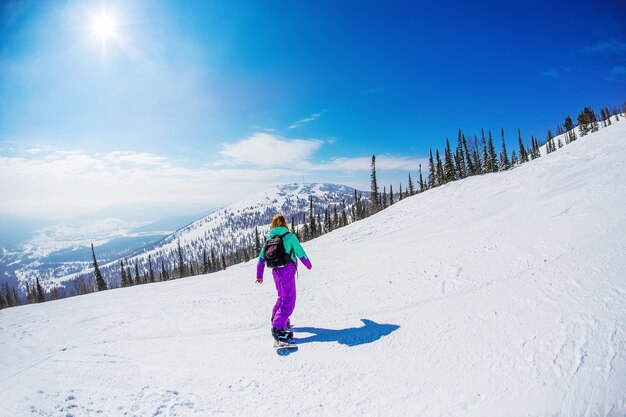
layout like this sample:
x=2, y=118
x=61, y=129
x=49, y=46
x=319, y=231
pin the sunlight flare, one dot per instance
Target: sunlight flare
x=104, y=26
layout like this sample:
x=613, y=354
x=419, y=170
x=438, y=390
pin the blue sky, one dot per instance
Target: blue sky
x=202, y=103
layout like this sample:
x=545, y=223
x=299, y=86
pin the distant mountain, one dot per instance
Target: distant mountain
x=227, y=230
x=32, y=249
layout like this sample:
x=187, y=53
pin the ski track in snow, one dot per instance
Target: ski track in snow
x=498, y=295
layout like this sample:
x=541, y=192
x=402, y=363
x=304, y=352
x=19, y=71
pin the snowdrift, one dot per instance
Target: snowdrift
x=498, y=295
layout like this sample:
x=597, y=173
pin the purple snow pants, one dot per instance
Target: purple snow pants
x=285, y=279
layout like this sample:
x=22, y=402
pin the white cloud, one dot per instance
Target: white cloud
x=265, y=149
x=304, y=121
x=137, y=158
x=65, y=183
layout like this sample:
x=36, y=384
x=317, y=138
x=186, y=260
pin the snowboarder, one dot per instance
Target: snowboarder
x=280, y=252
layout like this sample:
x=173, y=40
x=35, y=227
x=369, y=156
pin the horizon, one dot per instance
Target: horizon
x=186, y=105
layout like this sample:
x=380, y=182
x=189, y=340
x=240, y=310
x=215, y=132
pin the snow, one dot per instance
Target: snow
x=498, y=295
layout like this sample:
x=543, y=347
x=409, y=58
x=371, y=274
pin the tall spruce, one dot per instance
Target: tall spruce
x=313, y=225
x=411, y=187
x=41, y=293
x=523, y=155
x=100, y=284
x=493, y=158
x=440, y=174
x=150, y=270
x=569, y=128
x=390, y=195
x=384, y=199
x=478, y=167
x=471, y=170
x=138, y=278
x=432, y=175
x=461, y=163
x=448, y=166
x=257, y=240
x=181, y=262
x=422, y=184
x=163, y=271
x=400, y=196
x=205, y=260
x=374, y=201
x=486, y=163
x=504, y=156
x=123, y=279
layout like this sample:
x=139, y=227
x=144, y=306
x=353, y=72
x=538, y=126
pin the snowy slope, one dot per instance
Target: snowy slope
x=498, y=295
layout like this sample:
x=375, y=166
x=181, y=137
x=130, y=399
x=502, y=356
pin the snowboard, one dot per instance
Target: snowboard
x=284, y=345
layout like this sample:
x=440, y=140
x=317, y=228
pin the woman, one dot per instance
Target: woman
x=284, y=275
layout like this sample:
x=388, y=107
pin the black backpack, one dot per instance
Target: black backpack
x=275, y=254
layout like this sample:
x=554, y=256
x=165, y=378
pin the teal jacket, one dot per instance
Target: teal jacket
x=290, y=242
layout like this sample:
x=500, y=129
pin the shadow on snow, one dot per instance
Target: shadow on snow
x=353, y=336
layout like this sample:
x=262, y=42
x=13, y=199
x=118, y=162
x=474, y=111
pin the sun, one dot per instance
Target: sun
x=104, y=26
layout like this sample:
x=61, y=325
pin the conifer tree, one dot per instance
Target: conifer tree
x=124, y=280
x=313, y=225
x=569, y=128
x=191, y=272
x=608, y=116
x=390, y=195
x=293, y=230
x=523, y=156
x=335, y=217
x=384, y=199
x=213, y=262
x=100, y=284
x=411, y=187
x=138, y=279
x=257, y=240
x=448, y=166
x=459, y=158
x=514, y=160
x=560, y=144
x=400, y=194
x=504, y=157
x=493, y=158
x=181, y=262
x=549, y=142
x=471, y=170
x=319, y=225
x=129, y=276
x=478, y=167
x=486, y=162
x=150, y=270
x=163, y=272
x=440, y=174
x=41, y=293
x=344, y=215
x=29, y=294
x=432, y=176
x=422, y=185
x=374, y=201
x=328, y=226
x=205, y=261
